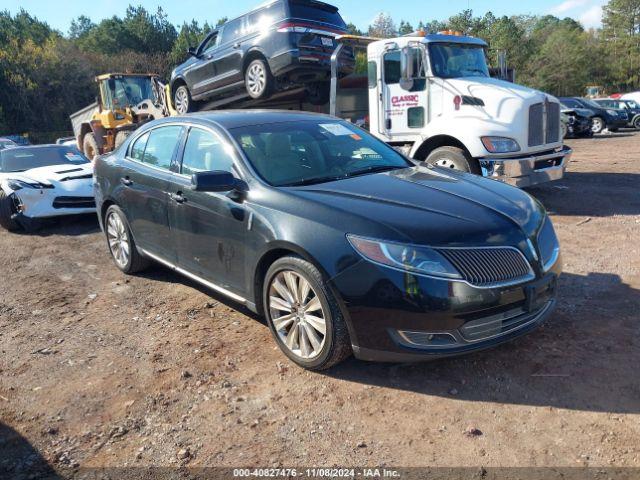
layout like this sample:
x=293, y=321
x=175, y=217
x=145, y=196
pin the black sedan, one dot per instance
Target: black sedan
x=610, y=118
x=343, y=244
x=576, y=122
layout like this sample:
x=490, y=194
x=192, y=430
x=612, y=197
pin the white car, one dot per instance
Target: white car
x=43, y=181
x=6, y=143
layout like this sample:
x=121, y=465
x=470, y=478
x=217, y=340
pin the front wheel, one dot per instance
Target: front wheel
x=597, y=125
x=636, y=123
x=182, y=101
x=453, y=158
x=258, y=79
x=304, y=316
x=7, y=210
x=120, y=241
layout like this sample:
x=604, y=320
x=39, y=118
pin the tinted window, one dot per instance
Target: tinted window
x=231, y=31
x=314, y=151
x=262, y=19
x=21, y=159
x=415, y=117
x=571, y=103
x=137, y=149
x=308, y=11
x=372, y=73
x=161, y=146
x=205, y=152
x=392, y=67
x=210, y=43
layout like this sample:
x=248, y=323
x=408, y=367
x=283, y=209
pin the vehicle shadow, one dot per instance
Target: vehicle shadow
x=72, y=226
x=20, y=460
x=585, y=357
x=589, y=194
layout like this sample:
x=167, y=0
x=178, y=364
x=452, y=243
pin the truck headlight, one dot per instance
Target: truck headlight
x=400, y=256
x=500, y=144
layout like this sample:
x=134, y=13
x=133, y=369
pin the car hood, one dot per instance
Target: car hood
x=583, y=112
x=54, y=175
x=430, y=206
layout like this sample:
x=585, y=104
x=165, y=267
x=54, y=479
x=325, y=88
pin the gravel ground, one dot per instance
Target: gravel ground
x=102, y=370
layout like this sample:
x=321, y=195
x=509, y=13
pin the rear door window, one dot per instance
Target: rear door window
x=161, y=146
x=260, y=20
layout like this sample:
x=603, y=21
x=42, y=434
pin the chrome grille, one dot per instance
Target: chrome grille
x=553, y=122
x=536, y=132
x=489, y=266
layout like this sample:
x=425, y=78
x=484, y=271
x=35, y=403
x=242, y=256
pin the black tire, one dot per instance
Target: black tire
x=258, y=80
x=135, y=262
x=564, y=130
x=337, y=344
x=90, y=146
x=182, y=101
x=121, y=137
x=598, y=125
x=636, y=123
x=7, y=210
x=318, y=93
x=454, y=158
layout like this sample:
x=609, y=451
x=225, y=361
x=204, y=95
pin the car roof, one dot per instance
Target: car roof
x=229, y=119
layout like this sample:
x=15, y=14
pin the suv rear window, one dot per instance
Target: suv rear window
x=316, y=11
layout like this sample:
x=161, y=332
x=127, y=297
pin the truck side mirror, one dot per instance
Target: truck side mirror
x=406, y=69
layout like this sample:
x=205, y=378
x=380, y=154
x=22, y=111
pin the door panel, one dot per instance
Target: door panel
x=228, y=61
x=203, y=73
x=208, y=228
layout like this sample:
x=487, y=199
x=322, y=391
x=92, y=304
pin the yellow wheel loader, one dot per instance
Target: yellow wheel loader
x=126, y=101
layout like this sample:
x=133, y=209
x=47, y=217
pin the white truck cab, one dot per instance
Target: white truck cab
x=431, y=96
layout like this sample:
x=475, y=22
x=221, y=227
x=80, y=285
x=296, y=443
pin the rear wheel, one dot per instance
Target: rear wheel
x=303, y=315
x=7, y=210
x=597, y=125
x=318, y=93
x=454, y=158
x=258, y=79
x=182, y=101
x=120, y=241
x=90, y=146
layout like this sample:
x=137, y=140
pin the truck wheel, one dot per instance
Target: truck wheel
x=7, y=210
x=318, y=93
x=258, y=79
x=90, y=146
x=182, y=101
x=597, y=125
x=454, y=158
x=120, y=138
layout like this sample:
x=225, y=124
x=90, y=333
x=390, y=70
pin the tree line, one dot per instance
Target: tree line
x=46, y=74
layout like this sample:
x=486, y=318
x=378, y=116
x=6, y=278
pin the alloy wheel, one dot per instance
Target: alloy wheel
x=256, y=79
x=118, y=239
x=182, y=100
x=297, y=314
x=598, y=125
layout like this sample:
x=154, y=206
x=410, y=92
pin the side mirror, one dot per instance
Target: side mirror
x=406, y=69
x=192, y=51
x=216, y=181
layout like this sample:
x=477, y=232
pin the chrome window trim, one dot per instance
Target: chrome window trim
x=142, y=134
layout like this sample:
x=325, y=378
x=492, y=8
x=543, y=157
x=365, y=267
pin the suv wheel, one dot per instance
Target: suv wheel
x=454, y=158
x=318, y=93
x=303, y=315
x=597, y=125
x=636, y=123
x=182, y=100
x=121, y=245
x=258, y=79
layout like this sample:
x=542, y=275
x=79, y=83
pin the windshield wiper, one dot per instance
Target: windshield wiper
x=374, y=169
x=313, y=181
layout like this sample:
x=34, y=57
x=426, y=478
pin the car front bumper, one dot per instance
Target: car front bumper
x=527, y=170
x=34, y=204
x=398, y=316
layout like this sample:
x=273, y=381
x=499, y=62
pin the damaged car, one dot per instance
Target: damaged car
x=44, y=181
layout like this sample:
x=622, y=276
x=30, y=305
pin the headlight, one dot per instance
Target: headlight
x=548, y=245
x=404, y=257
x=20, y=184
x=500, y=144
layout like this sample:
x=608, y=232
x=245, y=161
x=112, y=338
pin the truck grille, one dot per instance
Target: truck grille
x=538, y=134
x=484, y=267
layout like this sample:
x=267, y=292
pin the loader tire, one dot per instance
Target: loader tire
x=90, y=146
x=7, y=209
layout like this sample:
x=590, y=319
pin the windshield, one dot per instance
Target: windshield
x=591, y=103
x=288, y=154
x=128, y=91
x=631, y=104
x=20, y=159
x=455, y=60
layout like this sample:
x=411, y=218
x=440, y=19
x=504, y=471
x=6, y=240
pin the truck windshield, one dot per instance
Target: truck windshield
x=455, y=60
x=129, y=91
x=308, y=152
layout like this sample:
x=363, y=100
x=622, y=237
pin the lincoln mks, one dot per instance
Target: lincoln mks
x=342, y=243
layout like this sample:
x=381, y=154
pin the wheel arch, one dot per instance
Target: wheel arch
x=430, y=144
x=253, y=54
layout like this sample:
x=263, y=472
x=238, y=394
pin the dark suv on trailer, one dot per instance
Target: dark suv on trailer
x=610, y=118
x=278, y=45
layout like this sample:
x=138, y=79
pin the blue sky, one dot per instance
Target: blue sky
x=58, y=13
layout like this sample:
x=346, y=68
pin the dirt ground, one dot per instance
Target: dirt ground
x=98, y=369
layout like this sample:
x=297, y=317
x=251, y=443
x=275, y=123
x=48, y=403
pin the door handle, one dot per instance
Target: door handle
x=177, y=197
x=236, y=45
x=126, y=181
